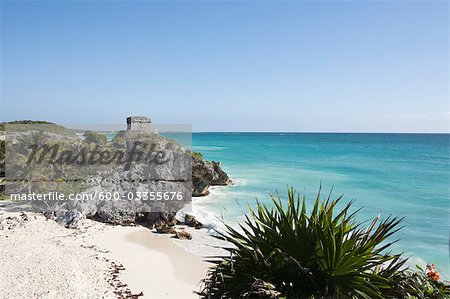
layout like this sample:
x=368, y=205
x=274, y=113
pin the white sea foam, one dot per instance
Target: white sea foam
x=240, y=181
x=208, y=209
x=203, y=210
x=208, y=148
x=414, y=260
x=203, y=242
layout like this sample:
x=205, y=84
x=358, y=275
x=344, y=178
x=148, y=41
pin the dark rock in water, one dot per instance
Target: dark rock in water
x=183, y=235
x=70, y=219
x=206, y=174
x=200, y=187
x=190, y=220
x=220, y=178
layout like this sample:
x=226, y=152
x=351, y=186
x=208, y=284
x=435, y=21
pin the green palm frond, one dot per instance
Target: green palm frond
x=321, y=254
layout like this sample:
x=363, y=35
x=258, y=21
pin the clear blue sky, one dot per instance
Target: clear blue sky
x=229, y=66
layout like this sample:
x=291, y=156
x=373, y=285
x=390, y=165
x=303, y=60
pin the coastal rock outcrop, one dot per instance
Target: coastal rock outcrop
x=143, y=190
x=137, y=172
x=159, y=220
x=112, y=190
x=190, y=220
x=70, y=219
x=206, y=174
x=166, y=230
x=183, y=235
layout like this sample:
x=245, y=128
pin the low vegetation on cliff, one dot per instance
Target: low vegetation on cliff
x=197, y=155
x=2, y=169
x=286, y=252
x=39, y=125
x=94, y=137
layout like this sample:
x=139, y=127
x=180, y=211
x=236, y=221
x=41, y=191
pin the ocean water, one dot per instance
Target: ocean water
x=405, y=175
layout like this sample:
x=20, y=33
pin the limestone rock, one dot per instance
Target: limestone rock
x=206, y=174
x=166, y=230
x=136, y=182
x=190, y=220
x=70, y=219
x=183, y=235
x=124, y=182
x=158, y=220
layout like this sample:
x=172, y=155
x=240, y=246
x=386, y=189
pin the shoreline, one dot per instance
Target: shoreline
x=153, y=263
x=42, y=259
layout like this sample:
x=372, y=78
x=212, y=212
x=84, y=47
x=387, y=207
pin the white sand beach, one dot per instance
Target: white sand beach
x=153, y=263
x=41, y=259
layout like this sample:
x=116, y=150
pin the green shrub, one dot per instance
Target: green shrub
x=94, y=137
x=416, y=284
x=294, y=254
x=31, y=125
x=197, y=155
x=2, y=155
x=2, y=169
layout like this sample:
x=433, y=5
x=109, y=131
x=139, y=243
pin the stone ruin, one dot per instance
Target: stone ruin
x=140, y=124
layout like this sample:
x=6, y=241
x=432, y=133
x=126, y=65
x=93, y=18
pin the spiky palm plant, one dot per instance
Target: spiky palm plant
x=323, y=254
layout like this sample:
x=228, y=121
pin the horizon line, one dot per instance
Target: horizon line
x=322, y=132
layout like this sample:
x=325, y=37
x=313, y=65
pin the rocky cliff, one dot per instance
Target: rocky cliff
x=206, y=174
x=117, y=190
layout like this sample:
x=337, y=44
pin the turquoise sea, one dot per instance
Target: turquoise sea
x=406, y=175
